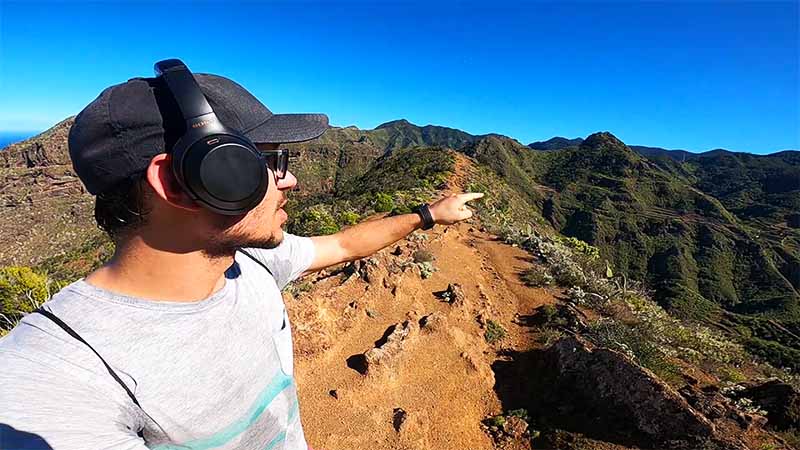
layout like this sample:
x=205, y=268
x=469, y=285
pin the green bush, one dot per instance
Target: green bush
x=426, y=269
x=536, y=277
x=522, y=413
x=314, y=221
x=549, y=314
x=579, y=246
x=496, y=421
x=637, y=341
x=349, y=218
x=383, y=202
x=494, y=332
x=775, y=353
x=22, y=290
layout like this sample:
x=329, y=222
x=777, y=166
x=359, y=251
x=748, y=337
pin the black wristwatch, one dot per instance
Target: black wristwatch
x=427, y=218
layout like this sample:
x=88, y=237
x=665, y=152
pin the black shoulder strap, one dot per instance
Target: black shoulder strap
x=265, y=268
x=257, y=261
x=72, y=333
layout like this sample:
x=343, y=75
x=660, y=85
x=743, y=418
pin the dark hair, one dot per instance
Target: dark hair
x=123, y=208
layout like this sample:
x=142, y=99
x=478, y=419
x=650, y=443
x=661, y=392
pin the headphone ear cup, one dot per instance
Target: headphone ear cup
x=225, y=173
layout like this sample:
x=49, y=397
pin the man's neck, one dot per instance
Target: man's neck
x=138, y=270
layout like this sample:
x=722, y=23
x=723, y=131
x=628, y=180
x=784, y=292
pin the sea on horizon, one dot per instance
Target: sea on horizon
x=12, y=137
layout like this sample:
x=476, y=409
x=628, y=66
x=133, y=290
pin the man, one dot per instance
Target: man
x=181, y=340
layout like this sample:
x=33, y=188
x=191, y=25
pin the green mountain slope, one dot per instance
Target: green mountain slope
x=715, y=236
x=712, y=236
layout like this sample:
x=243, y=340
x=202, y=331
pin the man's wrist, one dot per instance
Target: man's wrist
x=424, y=213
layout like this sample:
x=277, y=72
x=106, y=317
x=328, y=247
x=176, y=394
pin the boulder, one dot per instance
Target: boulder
x=617, y=387
x=780, y=400
x=390, y=345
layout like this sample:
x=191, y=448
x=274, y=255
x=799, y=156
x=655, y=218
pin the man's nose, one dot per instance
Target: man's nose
x=287, y=182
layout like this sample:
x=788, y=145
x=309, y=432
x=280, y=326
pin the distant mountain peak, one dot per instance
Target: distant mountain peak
x=603, y=139
x=394, y=124
x=555, y=143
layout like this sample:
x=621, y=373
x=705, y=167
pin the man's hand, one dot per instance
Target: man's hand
x=453, y=208
x=368, y=237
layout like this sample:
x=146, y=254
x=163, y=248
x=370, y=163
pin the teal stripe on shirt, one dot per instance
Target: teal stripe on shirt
x=278, y=439
x=275, y=387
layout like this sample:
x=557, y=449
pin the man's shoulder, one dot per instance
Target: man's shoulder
x=37, y=340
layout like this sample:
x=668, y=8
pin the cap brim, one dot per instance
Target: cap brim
x=288, y=128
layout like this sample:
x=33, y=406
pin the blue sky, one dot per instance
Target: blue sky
x=686, y=75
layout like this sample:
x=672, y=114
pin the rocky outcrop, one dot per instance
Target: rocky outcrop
x=389, y=346
x=602, y=395
x=46, y=149
x=614, y=383
x=780, y=400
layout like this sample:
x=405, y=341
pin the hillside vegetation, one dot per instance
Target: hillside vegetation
x=684, y=265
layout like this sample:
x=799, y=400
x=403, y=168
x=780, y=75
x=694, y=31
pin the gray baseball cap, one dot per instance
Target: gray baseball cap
x=116, y=135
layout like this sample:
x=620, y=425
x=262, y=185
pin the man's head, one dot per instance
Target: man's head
x=121, y=147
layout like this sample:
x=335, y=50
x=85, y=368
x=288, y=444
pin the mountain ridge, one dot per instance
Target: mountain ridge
x=565, y=242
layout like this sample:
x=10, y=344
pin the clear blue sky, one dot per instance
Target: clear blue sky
x=684, y=75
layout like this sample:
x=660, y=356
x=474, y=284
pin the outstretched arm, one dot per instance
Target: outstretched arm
x=368, y=237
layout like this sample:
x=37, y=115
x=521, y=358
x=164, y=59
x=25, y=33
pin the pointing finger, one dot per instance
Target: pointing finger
x=470, y=196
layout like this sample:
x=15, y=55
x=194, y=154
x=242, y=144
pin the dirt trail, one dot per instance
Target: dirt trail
x=441, y=376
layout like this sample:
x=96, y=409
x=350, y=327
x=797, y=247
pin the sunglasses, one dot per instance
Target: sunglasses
x=277, y=161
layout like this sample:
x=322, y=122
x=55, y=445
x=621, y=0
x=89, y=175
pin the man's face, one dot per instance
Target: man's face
x=261, y=226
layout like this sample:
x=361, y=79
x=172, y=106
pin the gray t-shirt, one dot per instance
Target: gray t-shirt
x=211, y=374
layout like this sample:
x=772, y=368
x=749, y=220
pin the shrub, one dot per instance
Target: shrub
x=423, y=256
x=496, y=421
x=22, y=290
x=349, y=218
x=549, y=313
x=298, y=287
x=522, y=413
x=494, y=332
x=383, y=202
x=731, y=375
x=426, y=269
x=636, y=341
x=791, y=436
x=316, y=220
x=549, y=336
x=579, y=246
x=536, y=277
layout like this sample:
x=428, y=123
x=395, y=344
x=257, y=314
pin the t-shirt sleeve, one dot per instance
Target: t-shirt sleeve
x=45, y=407
x=288, y=260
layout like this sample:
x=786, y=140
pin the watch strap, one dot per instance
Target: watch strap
x=425, y=213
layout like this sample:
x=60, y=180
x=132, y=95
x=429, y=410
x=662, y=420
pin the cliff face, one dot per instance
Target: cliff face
x=45, y=210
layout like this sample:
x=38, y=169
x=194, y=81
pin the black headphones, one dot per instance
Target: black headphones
x=219, y=167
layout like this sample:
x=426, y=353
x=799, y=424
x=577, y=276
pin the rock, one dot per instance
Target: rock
x=453, y=295
x=614, y=386
x=399, y=417
x=433, y=322
x=780, y=400
x=715, y=406
x=390, y=345
x=515, y=427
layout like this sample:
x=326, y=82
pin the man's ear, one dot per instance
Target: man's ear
x=166, y=186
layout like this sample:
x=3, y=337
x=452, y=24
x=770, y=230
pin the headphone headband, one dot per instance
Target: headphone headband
x=217, y=166
x=184, y=88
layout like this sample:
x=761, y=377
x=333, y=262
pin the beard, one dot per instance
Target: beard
x=229, y=239
x=227, y=245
